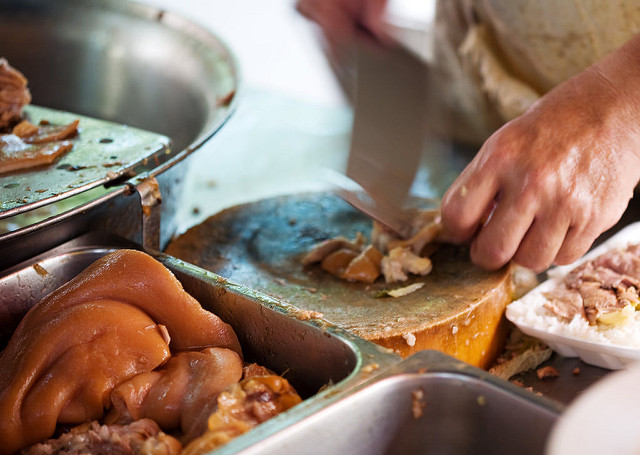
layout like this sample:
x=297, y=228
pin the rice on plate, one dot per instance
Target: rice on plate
x=610, y=346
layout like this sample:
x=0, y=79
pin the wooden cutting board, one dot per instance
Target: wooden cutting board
x=459, y=310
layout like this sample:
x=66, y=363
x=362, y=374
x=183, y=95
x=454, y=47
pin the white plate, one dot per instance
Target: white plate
x=603, y=420
x=602, y=354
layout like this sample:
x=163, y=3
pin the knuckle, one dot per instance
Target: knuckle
x=536, y=262
x=489, y=257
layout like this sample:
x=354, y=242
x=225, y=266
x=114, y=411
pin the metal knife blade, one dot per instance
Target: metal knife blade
x=389, y=129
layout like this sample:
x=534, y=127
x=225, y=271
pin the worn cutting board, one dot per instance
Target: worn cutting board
x=459, y=310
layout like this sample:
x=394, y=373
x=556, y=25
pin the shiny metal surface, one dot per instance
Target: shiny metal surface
x=102, y=152
x=128, y=63
x=389, y=129
x=426, y=404
x=311, y=354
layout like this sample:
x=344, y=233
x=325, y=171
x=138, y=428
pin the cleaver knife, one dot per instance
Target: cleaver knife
x=389, y=132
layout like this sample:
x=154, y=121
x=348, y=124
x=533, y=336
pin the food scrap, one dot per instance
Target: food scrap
x=24, y=145
x=547, y=372
x=417, y=403
x=522, y=353
x=385, y=255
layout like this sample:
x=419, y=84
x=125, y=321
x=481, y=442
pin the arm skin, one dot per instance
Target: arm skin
x=342, y=20
x=557, y=176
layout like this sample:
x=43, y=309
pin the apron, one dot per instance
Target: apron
x=497, y=57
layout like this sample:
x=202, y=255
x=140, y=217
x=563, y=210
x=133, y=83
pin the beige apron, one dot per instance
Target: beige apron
x=499, y=56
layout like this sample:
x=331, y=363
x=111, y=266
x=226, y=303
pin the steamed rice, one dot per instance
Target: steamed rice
x=529, y=311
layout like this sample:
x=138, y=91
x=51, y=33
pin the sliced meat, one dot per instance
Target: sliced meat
x=565, y=303
x=15, y=154
x=623, y=262
x=337, y=262
x=598, y=301
x=142, y=437
x=14, y=94
x=32, y=134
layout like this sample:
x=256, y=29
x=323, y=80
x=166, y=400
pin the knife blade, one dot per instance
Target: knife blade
x=389, y=130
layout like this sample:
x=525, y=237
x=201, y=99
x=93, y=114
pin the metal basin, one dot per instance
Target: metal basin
x=124, y=62
x=120, y=61
x=426, y=404
x=311, y=354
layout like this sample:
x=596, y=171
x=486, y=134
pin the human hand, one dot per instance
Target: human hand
x=342, y=20
x=543, y=187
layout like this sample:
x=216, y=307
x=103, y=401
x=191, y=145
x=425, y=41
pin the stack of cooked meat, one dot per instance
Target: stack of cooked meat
x=22, y=144
x=134, y=364
x=386, y=255
x=601, y=290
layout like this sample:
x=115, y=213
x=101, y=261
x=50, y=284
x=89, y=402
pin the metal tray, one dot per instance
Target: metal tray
x=128, y=63
x=428, y=403
x=367, y=407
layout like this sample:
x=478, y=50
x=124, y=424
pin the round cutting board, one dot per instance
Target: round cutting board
x=459, y=310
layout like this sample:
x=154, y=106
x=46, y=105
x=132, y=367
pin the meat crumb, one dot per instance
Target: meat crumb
x=370, y=368
x=410, y=338
x=417, y=405
x=518, y=382
x=547, y=372
x=576, y=371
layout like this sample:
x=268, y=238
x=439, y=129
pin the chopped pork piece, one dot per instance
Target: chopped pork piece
x=352, y=261
x=14, y=94
x=326, y=247
x=598, y=301
x=243, y=406
x=599, y=273
x=401, y=261
x=364, y=267
x=623, y=262
x=566, y=303
x=142, y=437
x=337, y=262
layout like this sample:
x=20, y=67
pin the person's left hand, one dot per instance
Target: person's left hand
x=544, y=186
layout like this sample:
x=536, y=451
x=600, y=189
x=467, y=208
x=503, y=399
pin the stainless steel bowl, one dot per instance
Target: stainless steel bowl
x=124, y=62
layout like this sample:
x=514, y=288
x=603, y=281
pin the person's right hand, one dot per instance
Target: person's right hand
x=342, y=20
x=552, y=180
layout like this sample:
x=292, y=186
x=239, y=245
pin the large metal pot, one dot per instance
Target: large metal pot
x=124, y=62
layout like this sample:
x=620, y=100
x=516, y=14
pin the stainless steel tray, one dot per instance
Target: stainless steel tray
x=132, y=64
x=428, y=403
x=368, y=405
